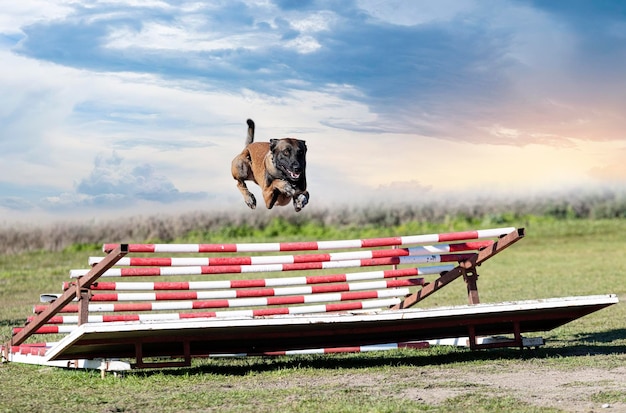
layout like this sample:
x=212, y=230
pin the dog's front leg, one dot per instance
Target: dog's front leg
x=274, y=196
x=270, y=197
x=300, y=200
x=279, y=192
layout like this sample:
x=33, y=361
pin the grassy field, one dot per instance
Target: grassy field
x=581, y=368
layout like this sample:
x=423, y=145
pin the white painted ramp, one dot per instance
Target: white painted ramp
x=211, y=336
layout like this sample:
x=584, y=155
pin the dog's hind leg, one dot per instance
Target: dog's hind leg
x=248, y=196
x=241, y=171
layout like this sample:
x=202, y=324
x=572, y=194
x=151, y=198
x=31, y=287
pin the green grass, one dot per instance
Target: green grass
x=557, y=258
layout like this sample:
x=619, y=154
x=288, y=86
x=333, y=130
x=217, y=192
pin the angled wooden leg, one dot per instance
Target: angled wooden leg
x=471, y=278
x=83, y=305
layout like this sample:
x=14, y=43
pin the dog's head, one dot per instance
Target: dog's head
x=289, y=157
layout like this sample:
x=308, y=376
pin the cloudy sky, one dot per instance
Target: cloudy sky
x=110, y=107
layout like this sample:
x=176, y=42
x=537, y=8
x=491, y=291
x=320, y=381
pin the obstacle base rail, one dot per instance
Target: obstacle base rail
x=279, y=298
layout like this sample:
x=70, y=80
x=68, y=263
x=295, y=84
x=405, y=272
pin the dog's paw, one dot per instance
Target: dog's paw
x=251, y=201
x=299, y=202
x=289, y=190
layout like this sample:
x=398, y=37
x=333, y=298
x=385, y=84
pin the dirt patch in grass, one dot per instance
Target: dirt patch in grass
x=572, y=390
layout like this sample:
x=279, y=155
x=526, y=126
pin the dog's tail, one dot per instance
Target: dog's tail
x=250, y=137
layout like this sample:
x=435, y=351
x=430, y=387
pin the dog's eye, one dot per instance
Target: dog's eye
x=287, y=152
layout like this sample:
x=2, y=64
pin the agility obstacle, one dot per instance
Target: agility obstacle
x=175, y=308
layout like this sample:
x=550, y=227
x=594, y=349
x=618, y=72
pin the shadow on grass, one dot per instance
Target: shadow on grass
x=6, y=328
x=582, y=345
x=609, y=336
x=18, y=322
x=605, y=342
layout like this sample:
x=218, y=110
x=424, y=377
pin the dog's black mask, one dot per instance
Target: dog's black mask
x=289, y=157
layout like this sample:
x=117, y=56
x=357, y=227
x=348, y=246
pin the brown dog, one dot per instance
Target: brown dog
x=277, y=166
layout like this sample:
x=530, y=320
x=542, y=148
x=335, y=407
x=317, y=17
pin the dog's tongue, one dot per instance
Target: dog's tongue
x=293, y=174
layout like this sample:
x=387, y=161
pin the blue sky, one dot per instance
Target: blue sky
x=117, y=107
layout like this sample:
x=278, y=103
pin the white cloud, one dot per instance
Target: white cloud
x=16, y=203
x=24, y=12
x=307, y=27
x=196, y=32
x=303, y=44
x=314, y=22
x=385, y=106
x=411, y=13
x=157, y=36
x=116, y=182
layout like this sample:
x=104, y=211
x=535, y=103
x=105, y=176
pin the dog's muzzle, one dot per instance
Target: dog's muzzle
x=292, y=174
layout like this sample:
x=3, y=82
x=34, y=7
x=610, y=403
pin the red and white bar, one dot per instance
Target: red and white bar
x=235, y=269
x=35, y=349
x=292, y=259
x=49, y=329
x=40, y=349
x=235, y=302
x=332, y=350
x=264, y=312
x=111, y=318
x=249, y=293
x=266, y=282
x=33, y=355
x=316, y=245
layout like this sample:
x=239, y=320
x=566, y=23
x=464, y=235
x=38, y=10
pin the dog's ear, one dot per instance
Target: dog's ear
x=302, y=145
x=273, y=143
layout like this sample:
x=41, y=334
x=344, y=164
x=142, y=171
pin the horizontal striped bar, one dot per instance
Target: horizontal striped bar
x=235, y=269
x=35, y=349
x=332, y=350
x=316, y=245
x=248, y=293
x=264, y=312
x=49, y=329
x=292, y=259
x=110, y=318
x=235, y=302
x=41, y=351
x=266, y=282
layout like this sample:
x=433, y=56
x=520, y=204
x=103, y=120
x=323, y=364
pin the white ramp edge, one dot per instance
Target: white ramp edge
x=93, y=364
x=465, y=341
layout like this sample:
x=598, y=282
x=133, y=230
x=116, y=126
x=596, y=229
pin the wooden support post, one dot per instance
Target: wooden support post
x=83, y=282
x=139, y=355
x=83, y=305
x=447, y=277
x=187, y=352
x=471, y=278
x=517, y=332
x=516, y=341
x=472, y=337
x=140, y=363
